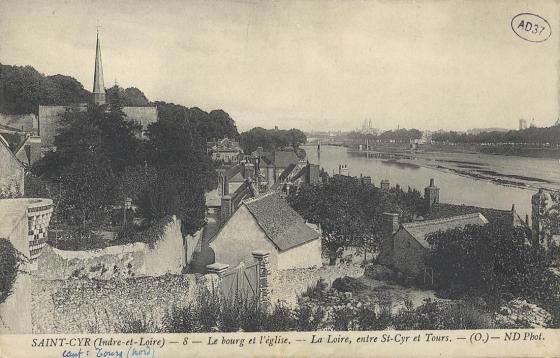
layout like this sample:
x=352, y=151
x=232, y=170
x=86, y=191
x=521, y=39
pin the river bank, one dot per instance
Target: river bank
x=522, y=172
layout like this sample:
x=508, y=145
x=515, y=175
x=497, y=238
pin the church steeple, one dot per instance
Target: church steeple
x=98, y=85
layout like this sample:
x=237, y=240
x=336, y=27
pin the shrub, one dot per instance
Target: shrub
x=309, y=318
x=348, y=284
x=343, y=318
x=370, y=319
x=9, y=265
x=142, y=323
x=208, y=307
x=181, y=320
x=317, y=290
x=281, y=319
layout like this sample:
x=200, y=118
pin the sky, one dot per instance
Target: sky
x=313, y=65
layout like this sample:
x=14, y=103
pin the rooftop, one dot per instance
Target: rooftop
x=494, y=216
x=420, y=229
x=282, y=224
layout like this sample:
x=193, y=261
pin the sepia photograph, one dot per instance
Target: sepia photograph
x=279, y=178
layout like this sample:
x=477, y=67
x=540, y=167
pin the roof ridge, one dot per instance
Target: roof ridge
x=474, y=207
x=443, y=220
x=258, y=197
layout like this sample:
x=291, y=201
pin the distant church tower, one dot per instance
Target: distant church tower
x=98, y=85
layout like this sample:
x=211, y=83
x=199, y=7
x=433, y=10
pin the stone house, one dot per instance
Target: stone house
x=266, y=223
x=410, y=248
x=404, y=246
x=270, y=165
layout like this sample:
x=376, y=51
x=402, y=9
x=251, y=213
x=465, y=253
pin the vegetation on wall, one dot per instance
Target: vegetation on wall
x=9, y=265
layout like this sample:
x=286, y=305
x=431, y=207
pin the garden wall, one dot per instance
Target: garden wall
x=136, y=259
x=286, y=285
x=15, y=311
x=95, y=306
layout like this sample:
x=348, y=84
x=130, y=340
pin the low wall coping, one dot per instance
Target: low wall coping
x=260, y=253
x=217, y=267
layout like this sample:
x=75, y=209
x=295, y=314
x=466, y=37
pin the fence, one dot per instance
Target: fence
x=245, y=281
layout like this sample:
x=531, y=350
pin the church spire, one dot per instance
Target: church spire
x=98, y=85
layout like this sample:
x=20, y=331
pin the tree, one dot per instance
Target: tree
x=271, y=139
x=93, y=150
x=337, y=206
x=24, y=89
x=489, y=261
x=184, y=173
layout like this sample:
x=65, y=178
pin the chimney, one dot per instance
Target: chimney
x=431, y=194
x=385, y=185
x=390, y=223
x=225, y=183
x=226, y=209
x=249, y=171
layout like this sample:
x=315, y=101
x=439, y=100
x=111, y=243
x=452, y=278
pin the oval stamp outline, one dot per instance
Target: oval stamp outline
x=540, y=17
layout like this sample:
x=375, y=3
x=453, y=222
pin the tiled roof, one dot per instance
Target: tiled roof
x=420, y=229
x=279, y=159
x=282, y=224
x=301, y=172
x=494, y=216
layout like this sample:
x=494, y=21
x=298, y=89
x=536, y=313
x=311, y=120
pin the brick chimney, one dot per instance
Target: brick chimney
x=431, y=194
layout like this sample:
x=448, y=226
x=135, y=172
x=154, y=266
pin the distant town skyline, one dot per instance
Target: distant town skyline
x=309, y=65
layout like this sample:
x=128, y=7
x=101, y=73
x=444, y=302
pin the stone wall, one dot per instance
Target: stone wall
x=123, y=261
x=15, y=311
x=94, y=306
x=11, y=173
x=286, y=285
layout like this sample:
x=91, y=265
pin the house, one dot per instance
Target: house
x=267, y=223
x=294, y=176
x=404, y=245
x=270, y=165
x=226, y=150
x=11, y=172
x=410, y=247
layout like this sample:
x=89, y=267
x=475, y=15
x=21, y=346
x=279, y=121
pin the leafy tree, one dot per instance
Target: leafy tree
x=93, y=150
x=348, y=212
x=23, y=89
x=130, y=97
x=214, y=125
x=490, y=261
x=271, y=139
x=184, y=173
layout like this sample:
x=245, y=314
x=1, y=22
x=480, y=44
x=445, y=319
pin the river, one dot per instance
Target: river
x=454, y=188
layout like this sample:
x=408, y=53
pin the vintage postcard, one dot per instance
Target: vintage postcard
x=279, y=178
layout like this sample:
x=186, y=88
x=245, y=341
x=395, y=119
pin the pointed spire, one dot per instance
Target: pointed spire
x=98, y=85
